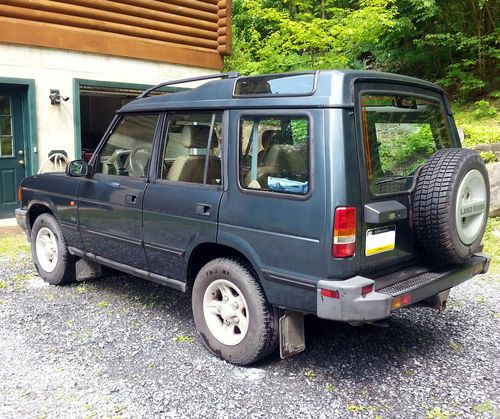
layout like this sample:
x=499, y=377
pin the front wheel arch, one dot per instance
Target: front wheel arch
x=34, y=211
x=50, y=253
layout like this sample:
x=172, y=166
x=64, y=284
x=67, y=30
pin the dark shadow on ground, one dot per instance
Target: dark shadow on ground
x=336, y=350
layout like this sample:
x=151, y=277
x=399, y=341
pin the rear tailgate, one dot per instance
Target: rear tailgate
x=398, y=128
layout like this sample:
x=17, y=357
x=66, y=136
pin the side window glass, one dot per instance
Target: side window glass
x=128, y=149
x=193, y=147
x=274, y=153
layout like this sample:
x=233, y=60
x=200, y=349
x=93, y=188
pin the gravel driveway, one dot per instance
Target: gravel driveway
x=123, y=347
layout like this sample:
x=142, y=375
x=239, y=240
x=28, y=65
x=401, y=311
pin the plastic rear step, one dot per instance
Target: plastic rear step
x=423, y=281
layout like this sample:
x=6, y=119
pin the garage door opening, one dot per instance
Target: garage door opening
x=97, y=109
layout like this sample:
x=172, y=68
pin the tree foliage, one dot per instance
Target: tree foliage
x=456, y=43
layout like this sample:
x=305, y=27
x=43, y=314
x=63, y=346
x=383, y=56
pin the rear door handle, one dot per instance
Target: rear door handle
x=131, y=199
x=203, y=209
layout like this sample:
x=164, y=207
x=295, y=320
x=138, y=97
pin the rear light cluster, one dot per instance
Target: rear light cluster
x=367, y=289
x=336, y=294
x=330, y=294
x=402, y=300
x=344, y=232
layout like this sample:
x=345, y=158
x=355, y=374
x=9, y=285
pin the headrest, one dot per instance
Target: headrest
x=196, y=136
x=287, y=156
x=267, y=137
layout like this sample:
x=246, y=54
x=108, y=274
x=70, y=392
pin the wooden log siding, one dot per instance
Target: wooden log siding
x=224, y=24
x=191, y=32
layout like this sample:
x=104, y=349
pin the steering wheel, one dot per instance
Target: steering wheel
x=137, y=161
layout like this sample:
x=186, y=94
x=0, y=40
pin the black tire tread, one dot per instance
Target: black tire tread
x=67, y=260
x=432, y=200
x=268, y=340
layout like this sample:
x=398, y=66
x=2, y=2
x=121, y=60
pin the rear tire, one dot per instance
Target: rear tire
x=231, y=313
x=52, y=260
x=450, y=206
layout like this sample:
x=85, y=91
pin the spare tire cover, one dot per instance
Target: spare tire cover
x=450, y=204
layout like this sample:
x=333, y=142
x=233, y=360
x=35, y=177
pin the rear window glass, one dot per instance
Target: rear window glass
x=274, y=153
x=400, y=133
x=279, y=85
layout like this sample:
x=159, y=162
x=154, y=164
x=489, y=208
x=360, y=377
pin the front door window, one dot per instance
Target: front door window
x=128, y=150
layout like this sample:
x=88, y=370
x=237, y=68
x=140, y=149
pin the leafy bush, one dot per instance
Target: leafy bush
x=487, y=156
x=484, y=109
x=478, y=134
x=479, y=122
x=404, y=154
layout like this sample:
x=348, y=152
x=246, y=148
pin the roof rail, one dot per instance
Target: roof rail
x=229, y=75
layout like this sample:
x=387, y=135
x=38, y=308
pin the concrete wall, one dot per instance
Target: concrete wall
x=51, y=68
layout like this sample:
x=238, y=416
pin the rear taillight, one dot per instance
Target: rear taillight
x=402, y=300
x=367, y=289
x=344, y=232
x=330, y=294
x=20, y=194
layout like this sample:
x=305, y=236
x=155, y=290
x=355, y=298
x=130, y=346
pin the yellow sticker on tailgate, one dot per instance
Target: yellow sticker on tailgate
x=379, y=240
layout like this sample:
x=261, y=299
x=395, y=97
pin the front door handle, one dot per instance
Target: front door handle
x=131, y=199
x=203, y=209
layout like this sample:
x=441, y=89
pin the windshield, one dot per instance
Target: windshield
x=400, y=134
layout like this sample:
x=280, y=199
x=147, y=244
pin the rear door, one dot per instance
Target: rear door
x=398, y=129
x=181, y=204
x=274, y=209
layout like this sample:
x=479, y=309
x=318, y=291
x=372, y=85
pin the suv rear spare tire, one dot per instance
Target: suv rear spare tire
x=450, y=205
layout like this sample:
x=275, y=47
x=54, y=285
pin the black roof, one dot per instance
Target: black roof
x=334, y=88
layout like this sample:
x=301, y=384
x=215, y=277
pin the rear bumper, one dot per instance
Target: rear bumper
x=349, y=305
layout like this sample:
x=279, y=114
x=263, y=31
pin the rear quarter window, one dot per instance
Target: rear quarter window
x=274, y=153
x=400, y=133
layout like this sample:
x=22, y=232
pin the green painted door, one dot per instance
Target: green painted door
x=12, y=158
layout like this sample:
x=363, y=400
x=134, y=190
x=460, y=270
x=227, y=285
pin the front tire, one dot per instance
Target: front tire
x=50, y=252
x=231, y=313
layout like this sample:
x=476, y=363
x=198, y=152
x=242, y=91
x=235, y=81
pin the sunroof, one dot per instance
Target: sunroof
x=299, y=84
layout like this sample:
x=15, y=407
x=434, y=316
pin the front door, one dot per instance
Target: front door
x=11, y=149
x=110, y=202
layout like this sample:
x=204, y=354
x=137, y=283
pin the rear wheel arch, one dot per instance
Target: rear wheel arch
x=205, y=252
x=231, y=312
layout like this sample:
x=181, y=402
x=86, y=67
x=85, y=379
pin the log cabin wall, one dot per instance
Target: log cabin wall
x=189, y=32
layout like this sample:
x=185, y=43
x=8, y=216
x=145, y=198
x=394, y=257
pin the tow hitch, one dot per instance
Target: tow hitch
x=438, y=301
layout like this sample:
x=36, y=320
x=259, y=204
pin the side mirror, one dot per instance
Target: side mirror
x=77, y=168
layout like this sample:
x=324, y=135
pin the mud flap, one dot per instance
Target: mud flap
x=292, y=338
x=86, y=269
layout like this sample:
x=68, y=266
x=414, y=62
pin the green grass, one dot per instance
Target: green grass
x=485, y=407
x=103, y=304
x=437, y=413
x=491, y=241
x=14, y=246
x=184, y=339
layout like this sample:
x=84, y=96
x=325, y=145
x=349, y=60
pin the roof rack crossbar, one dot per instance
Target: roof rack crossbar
x=229, y=75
